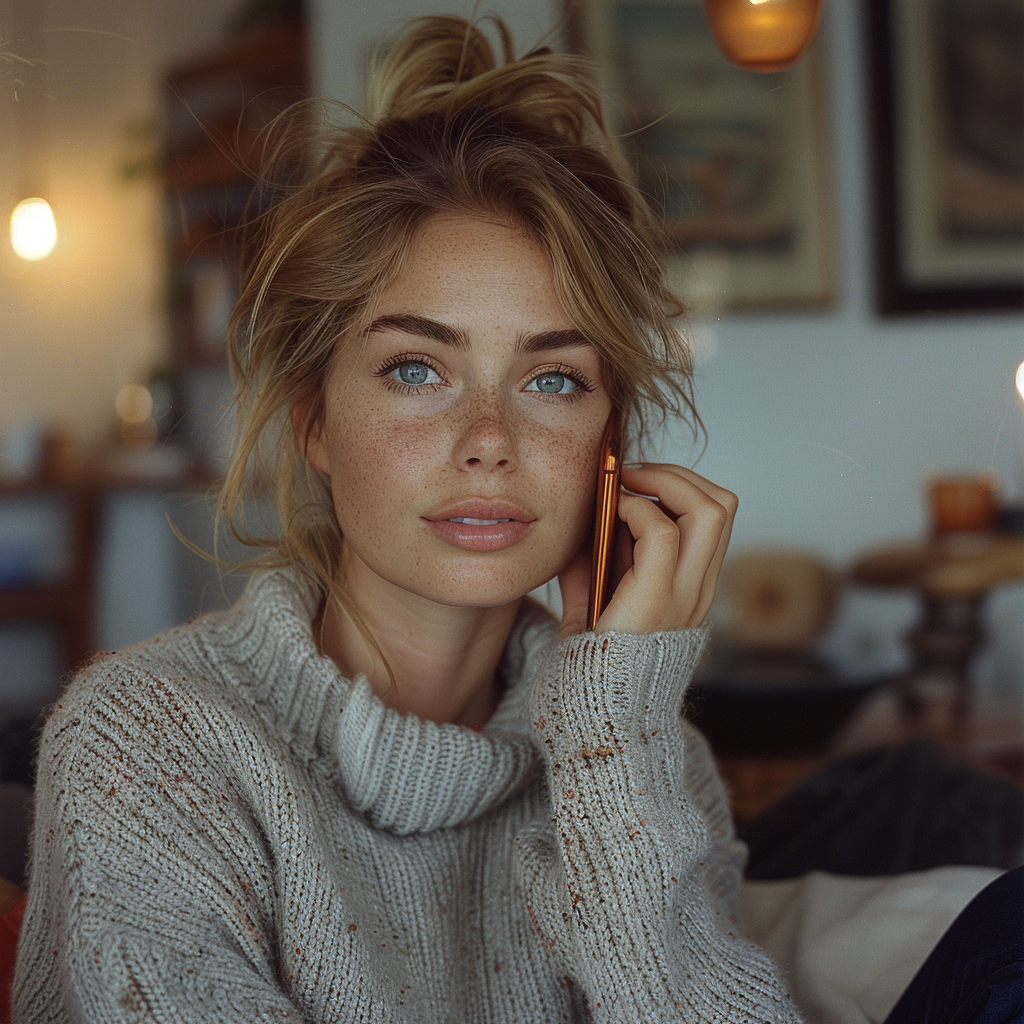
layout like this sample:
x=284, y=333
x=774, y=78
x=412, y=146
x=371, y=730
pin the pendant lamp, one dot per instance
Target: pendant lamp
x=763, y=35
x=32, y=225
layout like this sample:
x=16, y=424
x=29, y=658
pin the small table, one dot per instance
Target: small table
x=69, y=602
x=953, y=575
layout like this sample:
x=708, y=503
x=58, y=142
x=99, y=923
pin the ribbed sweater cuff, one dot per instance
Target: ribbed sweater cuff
x=605, y=684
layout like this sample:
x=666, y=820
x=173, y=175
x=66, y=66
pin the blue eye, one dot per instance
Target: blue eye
x=414, y=374
x=553, y=383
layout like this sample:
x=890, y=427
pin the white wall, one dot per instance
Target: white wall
x=822, y=423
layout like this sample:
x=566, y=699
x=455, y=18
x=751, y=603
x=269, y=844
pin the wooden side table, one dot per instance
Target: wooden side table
x=69, y=602
x=953, y=575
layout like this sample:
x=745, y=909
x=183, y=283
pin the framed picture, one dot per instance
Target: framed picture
x=734, y=161
x=948, y=104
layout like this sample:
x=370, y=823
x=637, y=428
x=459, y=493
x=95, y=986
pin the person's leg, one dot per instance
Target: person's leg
x=975, y=975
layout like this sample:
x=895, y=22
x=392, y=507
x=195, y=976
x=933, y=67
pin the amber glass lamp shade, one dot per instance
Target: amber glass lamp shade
x=763, y=35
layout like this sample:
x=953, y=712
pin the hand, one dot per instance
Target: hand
x=680, y=544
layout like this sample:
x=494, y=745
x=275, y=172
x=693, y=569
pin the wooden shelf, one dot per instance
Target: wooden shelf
x=224, y=100
x=216, y=111
x=98, y=482
x=68, y=603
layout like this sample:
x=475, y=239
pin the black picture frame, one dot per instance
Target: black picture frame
x=897, y=291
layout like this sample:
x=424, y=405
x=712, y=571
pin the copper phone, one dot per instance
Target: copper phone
x=608, y=477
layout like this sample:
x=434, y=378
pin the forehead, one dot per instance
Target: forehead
x=462, y=268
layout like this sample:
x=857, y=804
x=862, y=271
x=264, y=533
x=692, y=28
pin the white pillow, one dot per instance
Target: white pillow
x=847, y=946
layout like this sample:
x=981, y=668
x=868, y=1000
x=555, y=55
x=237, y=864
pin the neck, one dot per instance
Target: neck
x=443, y=658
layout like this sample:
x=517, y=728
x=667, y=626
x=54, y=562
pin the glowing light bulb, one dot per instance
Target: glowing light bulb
x=1019, y=380
x=763, y=35
x=33, y=229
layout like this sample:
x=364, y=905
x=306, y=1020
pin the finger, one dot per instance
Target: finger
x=696, y=577
x=649, y=471
x=730, y=503
x=705, y=512
x=714, y=572
x=656, y=547
x=643, y=600
x=682, y=493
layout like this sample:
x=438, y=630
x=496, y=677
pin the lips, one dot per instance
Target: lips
x=481, y=525
x=482, y=508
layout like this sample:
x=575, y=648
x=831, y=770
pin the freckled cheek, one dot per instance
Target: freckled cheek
x=376, y=471
x=569, y=463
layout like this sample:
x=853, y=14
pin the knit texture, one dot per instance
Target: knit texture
x=229, y=830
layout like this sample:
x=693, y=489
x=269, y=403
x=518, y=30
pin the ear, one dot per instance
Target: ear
x=309, y=438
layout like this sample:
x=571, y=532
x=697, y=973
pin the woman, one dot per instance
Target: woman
x=382, y=786
x=386, y=785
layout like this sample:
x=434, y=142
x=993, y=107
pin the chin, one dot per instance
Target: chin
x=482, y=586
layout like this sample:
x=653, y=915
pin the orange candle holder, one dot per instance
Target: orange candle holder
x=763, y=35
x=963, y=503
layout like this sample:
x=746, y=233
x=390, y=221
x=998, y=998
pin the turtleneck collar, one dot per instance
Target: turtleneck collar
x=403, y=773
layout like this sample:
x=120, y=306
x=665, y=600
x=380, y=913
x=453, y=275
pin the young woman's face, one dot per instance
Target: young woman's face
x=461, y=438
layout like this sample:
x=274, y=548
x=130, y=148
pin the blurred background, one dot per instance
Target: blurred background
x=849, y=235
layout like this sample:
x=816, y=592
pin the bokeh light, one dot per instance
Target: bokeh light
x=33, y=229
x=134, y=403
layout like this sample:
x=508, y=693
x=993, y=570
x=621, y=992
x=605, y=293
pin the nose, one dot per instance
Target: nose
x=486, y=438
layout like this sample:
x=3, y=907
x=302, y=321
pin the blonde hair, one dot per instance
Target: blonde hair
x=448, y=130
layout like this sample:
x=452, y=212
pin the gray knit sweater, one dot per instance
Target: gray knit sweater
x=228, y=830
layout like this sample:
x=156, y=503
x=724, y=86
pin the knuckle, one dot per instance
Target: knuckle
x=664, y=531
x=716, y=514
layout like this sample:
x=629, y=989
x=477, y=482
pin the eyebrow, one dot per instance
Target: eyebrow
x=530, y=344
x=424, y=327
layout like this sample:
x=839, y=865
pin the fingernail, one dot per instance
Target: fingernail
x=632, y=465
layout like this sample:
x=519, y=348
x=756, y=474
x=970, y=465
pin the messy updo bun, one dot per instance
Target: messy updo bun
x=445, y=64
x=448, y=129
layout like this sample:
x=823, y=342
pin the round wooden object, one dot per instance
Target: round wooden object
x=779, y=600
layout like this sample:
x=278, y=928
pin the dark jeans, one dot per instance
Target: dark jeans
x=975, y=975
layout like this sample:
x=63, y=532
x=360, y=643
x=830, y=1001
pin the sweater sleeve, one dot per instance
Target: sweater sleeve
x=136, y=910
x=727, y=855
x=619, y=888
